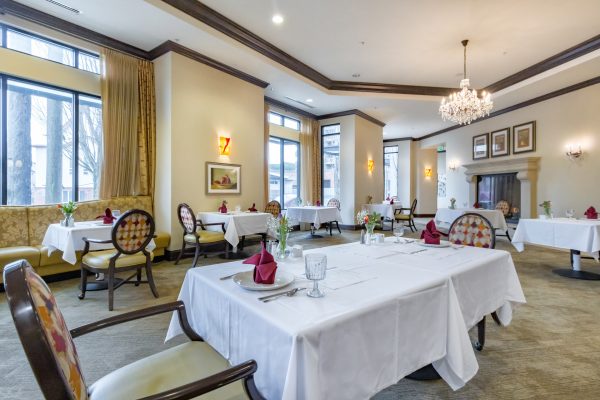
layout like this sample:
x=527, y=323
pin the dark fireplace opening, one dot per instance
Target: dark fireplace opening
x=502, y=191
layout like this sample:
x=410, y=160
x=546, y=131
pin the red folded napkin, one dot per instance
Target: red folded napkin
x=107, y=218
x=392, y=201
x=591, y=213
x=318, y=203
x=430, y=233
x=223, y=208
x=253, y=208
x=387, y=198
x=264, y=266
x=476, y=205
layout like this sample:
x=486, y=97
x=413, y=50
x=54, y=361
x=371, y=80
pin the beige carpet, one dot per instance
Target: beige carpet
x=550, y=351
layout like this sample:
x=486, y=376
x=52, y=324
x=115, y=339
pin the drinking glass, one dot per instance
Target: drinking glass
x=116, y=213
x=570, y=213
x=315, y=266
x=398, y=233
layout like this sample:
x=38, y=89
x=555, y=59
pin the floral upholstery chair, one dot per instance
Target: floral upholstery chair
x=130, y=236
x=194, y=368
x=333, y=202
x=201, y=238
x=504, y=207
x=273, y=207
x=474, y=230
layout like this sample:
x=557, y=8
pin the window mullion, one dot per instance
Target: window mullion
x=75, y=152
x=4, y=140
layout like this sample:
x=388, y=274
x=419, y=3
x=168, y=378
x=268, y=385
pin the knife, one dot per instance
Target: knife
x=278, y=294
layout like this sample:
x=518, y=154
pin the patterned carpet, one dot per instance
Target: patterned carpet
x=550, y=351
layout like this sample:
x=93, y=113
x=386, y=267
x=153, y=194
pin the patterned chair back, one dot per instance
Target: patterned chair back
x=333, y=202
x=44, y=335
x=187, y=218
x=503, y=206
x=273, y=207
x=133, y=231
x=474, y=230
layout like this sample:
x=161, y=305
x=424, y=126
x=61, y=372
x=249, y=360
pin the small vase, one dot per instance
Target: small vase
x=282, y=251
x=68, y=221
x=369, y=235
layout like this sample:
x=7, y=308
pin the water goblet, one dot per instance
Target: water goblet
x=398, y=233
x=570, y=213
x=315, y=267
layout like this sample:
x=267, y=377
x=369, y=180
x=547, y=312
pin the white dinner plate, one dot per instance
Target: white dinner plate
x=246, y=280
x=443, y=243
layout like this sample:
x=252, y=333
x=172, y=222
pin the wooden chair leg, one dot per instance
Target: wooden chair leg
x=331, y=228
x=480, y=335
x=111, y=288
x=242, y=242
x=138, y=277
x=151, y=278
x=84, y=275
x=196, y=254
x=180, y=252
x=264, y=238
x=496, y=319
x=337, y=224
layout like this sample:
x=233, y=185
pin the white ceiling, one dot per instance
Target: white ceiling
x=406, y=42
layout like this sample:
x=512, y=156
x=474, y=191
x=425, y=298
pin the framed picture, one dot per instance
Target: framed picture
x=500, y=142
x=481, y=146
x=524, y=137
x=223, y=178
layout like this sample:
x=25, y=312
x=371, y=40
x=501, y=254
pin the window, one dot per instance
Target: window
x=47, y=149
x=390, y=171
x=330, y=159
x=282, y=120
x=35, y=45
x=284, y=171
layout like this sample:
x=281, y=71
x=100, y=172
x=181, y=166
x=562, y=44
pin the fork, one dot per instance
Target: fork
x=289, y=293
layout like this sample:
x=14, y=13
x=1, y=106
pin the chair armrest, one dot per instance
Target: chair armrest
x=213, y=382
x=221, y=224
x=96, y=240
x=137, y=314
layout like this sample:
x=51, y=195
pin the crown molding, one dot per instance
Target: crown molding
x=390, y=88
x=352, y=112
x=19, y=10
x=169, y=46
x=287, y=107
x=403, y=139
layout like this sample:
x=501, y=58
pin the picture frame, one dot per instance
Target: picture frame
x=481, y=148
x=500, y=142
x=524, y=138
x=223, y=178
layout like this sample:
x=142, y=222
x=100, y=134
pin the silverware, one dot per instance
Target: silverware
x=288, y=293
x=228, y=276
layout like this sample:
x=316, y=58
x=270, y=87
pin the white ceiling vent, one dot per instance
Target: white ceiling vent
x=66, y=7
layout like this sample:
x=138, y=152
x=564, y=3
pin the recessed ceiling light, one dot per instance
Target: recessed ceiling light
x=309, y=100
x=277, y=19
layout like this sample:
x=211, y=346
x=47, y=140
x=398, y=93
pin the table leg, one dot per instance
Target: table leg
x=234, y=254
x=427, y=373
x=575, y=271
x=313, y=235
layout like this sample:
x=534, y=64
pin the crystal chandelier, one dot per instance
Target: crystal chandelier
x=465, y=106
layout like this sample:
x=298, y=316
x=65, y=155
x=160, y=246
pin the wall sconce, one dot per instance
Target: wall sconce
x=574, y=154
x=224, y=146
x=370, y=166
x=428, y=172
x=453, y=166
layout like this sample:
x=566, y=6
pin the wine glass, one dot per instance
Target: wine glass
x=398, y=233
x=315, y=267
x=570, y=213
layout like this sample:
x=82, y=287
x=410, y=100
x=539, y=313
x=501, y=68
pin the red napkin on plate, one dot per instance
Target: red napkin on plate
x=223, y=208
x=318, y=203
x=107, y=218
x=253, y=208
x=591, y=213
x=430, y=233
x=264, y=266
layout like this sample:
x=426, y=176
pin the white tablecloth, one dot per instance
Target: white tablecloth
x=563, y=233
x=70, y=239
x=385, y=314
x=314, y=215
x=386, y=210
x=445, y=216
x=236, y=224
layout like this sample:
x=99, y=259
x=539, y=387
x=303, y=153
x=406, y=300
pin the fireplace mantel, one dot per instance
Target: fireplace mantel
x=526, y=169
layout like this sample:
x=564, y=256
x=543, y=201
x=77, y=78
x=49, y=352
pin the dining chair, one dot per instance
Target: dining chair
x=401, y=217
x=333, y=202
x=273, y=207
x=504, y=207
x=130, y=235
x=182, y=372
x=471, y=229
x=197, y=236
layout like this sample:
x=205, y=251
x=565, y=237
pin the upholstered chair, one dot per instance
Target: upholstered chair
x=474, y=230
x=130, y=236
x=333, y=202
x=504, y=207
x=402, y=217
x=197, y=236
x=182, y=372
x=273, y=207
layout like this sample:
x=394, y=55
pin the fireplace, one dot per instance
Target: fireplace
x=500, y=189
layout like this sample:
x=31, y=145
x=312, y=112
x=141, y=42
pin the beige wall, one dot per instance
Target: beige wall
x=204, y=103
x=571, y=118
x=426, y=187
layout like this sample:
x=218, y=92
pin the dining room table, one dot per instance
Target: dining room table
x=386, y=210
x=389, y=309
x=314, y=215
x=576, y=235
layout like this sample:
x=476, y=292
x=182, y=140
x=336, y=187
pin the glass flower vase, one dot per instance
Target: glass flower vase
x=282, y=251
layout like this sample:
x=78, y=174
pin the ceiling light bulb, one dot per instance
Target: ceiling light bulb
x=277, y=19
x=309, y=100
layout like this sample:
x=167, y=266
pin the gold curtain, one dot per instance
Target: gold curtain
x=266, y=157
x=129, y=125
x=310, y=163
x=316, y=160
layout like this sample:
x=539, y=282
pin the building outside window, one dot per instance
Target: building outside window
x=284, y=177
x=390, y=171
x=330, y=159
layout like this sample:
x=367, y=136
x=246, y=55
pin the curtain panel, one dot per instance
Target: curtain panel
x=266, y=157
x=310, y=161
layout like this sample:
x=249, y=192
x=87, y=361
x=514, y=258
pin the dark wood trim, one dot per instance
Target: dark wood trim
x=352, y=112
x=39, y=17
x=287, y=107
x=194, y=55
x=567, y=55
x=390, y=88
x=424, y=215
x=400, y=139
x=527, y=103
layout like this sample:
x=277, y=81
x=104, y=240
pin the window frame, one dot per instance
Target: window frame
x=4, y=78
x=282, y=141
x=4, y=28
x=283, y=119
x=323, y=135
